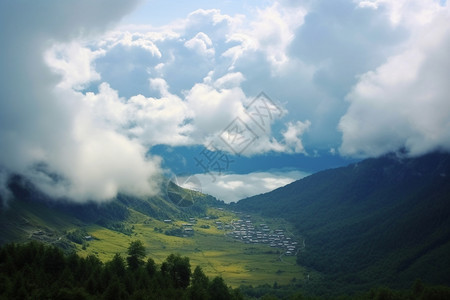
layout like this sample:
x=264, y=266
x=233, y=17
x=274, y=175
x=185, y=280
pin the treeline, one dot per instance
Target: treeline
x=38, y=271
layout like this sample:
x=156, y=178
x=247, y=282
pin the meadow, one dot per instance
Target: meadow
x=218, y=254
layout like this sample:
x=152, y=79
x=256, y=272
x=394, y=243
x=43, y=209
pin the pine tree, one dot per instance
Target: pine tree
x=136, y=254
x=218, y=289
x=179, y=270
x=150, y=267
x=117, y=265
x=199, y=285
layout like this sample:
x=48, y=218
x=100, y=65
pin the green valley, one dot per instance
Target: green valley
x=218, y=254
x=380, y=222
x=193, y=231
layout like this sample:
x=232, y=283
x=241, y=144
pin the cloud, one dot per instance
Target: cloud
x=310, y=55
x=193, y=92
x=274, y=30
x=74, y=63
x=337, y=42
x=403, y=104
x=202, y=44
x=75, y=90
x=234, y=187
x=270, y=33
x=293, y=133
x=48, y=132
x=405, y=12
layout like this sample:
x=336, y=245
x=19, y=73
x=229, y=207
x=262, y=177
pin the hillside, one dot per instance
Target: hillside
x=177, y=221
x=383, y=221
x=32, y=211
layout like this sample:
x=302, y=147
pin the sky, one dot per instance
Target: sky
x=105, y=97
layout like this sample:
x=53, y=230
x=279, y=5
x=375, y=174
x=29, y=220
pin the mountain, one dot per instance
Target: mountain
x=32, y=215
x=382, y=221
x=177, y=221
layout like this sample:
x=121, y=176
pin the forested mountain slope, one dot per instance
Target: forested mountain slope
x=379, y=221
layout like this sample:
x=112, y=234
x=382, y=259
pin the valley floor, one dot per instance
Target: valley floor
x=211, y=246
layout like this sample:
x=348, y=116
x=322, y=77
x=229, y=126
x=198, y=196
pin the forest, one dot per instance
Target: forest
x=380, y=222
x=38, y=271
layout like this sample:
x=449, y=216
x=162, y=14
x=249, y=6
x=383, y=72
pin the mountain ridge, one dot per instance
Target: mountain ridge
x=383, y=220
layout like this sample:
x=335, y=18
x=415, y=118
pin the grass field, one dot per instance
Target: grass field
x=238, y=263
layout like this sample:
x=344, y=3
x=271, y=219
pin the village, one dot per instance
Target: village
x=246, y=231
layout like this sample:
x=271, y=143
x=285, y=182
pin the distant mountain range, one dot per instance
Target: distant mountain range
x=382, y=221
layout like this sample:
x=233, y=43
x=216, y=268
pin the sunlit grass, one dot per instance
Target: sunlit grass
x=217, y=254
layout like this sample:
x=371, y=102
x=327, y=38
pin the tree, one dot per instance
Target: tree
x=53, y=260
x=151, y=267
x=218, y=289
x=136, y=254
x=199, y=278
x=199, y=285
x=115, y=290
x=178, y=269
x=117, y=265
x=418, y=288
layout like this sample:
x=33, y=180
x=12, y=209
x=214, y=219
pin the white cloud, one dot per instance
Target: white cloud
x=49, y=133
x=332, y=151
x=149, y=121
x=192, y=106
x=213, y=108
x=229, y=80
x=271, y=32
x=202, y=44
x=74, y=63
x=141, y=41
x=293, y=133
x=234, y=187
x=274, y=30
x=404, y=102
x=411, y=13
x=183, y=83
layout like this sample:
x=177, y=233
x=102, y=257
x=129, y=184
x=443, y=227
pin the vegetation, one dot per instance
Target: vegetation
x=418, y=291
x=174, y=232
x=77, y=236
x=238, y=263
x=217, y=255
x=117, y=226
x=383, y=221
x=37, y=271
x=136, y=255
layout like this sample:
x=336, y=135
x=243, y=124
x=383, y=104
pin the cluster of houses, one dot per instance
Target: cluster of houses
x=188, y=229
x=249, y=233
x=244, y=230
